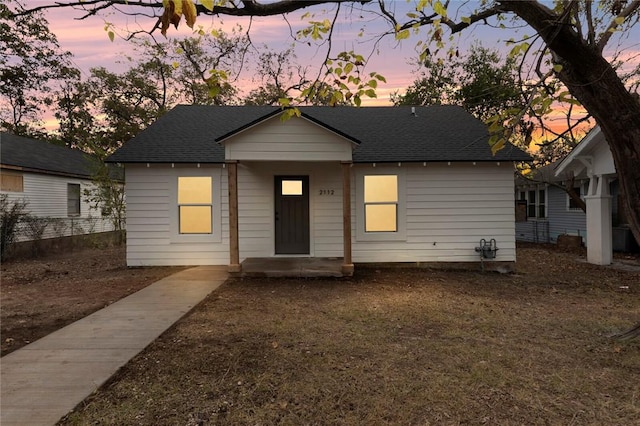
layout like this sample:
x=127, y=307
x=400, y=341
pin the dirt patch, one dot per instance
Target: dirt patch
x=42, y=295
x=394, y=347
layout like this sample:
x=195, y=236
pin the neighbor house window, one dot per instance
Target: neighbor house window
x=572, y=203
x=536, y=200
x=10, y=182
x=381, y=203
x=195, y=205
x=542, y=204
x=531, y=203
x=73, y=199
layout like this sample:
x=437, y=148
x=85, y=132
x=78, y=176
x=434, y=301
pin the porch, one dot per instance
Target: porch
x=293, y=267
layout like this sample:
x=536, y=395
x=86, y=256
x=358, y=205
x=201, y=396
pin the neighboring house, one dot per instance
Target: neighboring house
x=544, y=210
x=213, y=185
x=606, y=228
x=52, y=180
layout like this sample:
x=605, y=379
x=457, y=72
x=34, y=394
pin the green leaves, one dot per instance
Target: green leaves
x=290, y=112
x=208, y=4
x=348, y=84
x=439, y=9
x=108, y=27
x=316, y=30
x=402, y=35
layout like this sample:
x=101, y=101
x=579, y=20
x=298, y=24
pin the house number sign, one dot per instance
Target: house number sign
x=327, y=192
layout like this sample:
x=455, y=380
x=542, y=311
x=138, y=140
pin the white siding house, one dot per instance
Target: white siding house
x=592, y=159
x=52, y=181
x=219, y=185
x=551, y=213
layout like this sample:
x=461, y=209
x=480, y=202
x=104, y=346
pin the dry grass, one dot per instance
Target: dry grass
x=40, y=296
x=410, y=347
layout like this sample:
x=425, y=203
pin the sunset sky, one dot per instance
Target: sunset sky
x=89, y=43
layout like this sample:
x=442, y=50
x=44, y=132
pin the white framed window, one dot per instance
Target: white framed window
x=381, y=208
x=536, y=199
x=195, y=200
x=196, y=205
x=73, y=199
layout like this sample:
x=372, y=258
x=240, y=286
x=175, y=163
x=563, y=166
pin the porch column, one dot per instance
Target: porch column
x=347, y=264
x=234, y=248
x=599, y=233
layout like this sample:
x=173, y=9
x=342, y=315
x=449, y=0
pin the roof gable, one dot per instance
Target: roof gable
x=591, y=156
x=296, y=139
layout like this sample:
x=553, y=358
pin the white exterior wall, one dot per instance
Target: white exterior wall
x=449, y=209
x=152, y=227
x=46, y=196
x=256, y=207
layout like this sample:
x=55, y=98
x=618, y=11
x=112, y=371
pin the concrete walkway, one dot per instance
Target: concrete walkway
x=46, y=379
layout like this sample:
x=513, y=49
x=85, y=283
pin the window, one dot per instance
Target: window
x=542, y=207
x=381, y=203
x=10, y=182
x=291, y=187
x=73, y=199
x=195, y=205
x=572, y=203
x=531, y=206
x=536, y=202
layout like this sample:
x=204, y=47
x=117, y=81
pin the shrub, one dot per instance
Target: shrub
x=34, y=228
x=11, y=214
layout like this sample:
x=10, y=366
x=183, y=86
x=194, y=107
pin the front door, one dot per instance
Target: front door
x=292, y=214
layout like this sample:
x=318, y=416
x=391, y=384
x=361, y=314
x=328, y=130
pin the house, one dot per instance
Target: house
x=605, y=220
x=544, y=210
x=52, y=180
x=211, y=185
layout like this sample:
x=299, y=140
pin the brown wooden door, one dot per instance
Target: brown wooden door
x=292, y=214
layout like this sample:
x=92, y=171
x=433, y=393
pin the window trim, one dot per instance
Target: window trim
x=216, y=206
x=401, y=208
x=523, y=194
x=185, y=205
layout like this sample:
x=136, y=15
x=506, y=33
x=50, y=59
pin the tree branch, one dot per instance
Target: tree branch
x=613, y=25
x=250, y=7
x=455, y=27
x=568, y=187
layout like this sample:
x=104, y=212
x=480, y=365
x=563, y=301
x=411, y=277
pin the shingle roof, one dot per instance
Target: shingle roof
x=189, y=134
x=44, y=157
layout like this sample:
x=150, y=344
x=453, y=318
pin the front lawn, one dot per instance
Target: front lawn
x=397, y=347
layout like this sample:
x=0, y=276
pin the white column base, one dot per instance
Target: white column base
x=599, y=232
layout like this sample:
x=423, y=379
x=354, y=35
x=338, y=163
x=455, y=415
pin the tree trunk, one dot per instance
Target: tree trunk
x=594, y=82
